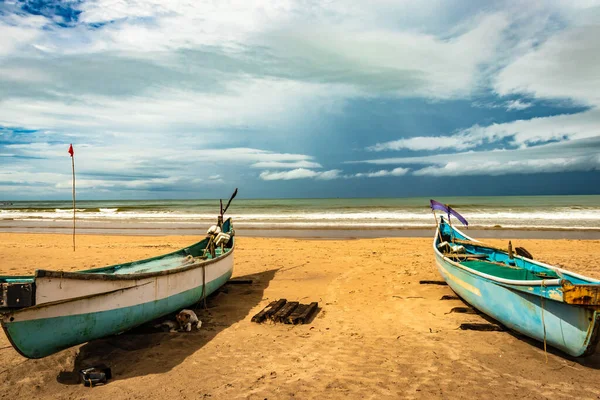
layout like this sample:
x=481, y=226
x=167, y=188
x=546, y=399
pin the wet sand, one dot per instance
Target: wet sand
x=379, y=334
x=134, y=228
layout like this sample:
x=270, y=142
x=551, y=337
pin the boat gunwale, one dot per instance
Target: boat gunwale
x=551, y=267
x=591, y=341
x=63, y=301
x=494, y=279
x=37, y=307
x=43, y=273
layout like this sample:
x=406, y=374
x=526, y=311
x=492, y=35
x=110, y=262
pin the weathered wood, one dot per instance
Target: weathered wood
x=449, y=297
x=432, y=282
x=239, y=282
x=261, y=315
x=462, y=256
x=585, y=295
x=279, y=304
x=285, y=311
x=293, y=317
x=521, y=251
x=482, y=327
x=463, y=310
x=269, y=310
x=307, y=313
x=479, y=244
x=291, y=312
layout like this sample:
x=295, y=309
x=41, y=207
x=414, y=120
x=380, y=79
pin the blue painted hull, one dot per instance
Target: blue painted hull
x=39, y=338
x=572, y=329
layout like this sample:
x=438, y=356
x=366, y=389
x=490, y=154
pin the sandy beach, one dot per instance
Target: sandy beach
x=379, y=333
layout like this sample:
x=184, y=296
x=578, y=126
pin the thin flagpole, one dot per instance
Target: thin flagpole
x=450, y=223
x=73, y=167
x=437, y=224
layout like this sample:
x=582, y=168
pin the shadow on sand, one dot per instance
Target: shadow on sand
x=592, y=361
x=148, y=350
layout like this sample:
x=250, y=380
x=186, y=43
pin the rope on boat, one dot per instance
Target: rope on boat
x=203, y=297
x=438, y=225
x=204, y=286
x=543, y=323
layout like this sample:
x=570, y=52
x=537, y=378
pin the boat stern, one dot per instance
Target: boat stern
x=581, y=295
x=16, y=294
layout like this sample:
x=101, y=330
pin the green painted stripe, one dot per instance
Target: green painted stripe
x=42, y=337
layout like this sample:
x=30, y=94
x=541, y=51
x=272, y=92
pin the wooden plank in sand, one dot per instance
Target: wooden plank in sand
x=293, y=318
x=463, y=310
x=269, y=310
x=239, y=282
x=432, y=282
x=449, y=297
x=285, y=311
x=482, y=327
x=308, y=312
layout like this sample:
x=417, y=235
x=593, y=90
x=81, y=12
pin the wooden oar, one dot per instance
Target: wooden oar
x=229, y=202
x=480, y=244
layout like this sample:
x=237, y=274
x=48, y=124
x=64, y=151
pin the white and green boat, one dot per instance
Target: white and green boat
x=54, y=310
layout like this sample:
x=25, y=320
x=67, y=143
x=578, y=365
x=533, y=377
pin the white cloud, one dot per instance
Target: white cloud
x=137, y=184
x=161, y=89
x=154, y=25
x=423, y=143
x=23, y=74
x=563, y=67
x=15, y=176
x=128, y=155
x=243, y=155
x=404, y=63
x=300, y=173
x=521, y=133
x=494, y=168
x=280, y=102
x=517, y=105
x=168, y=164
x=281, y=165
x=536, y=130
x=17, y=32
x=574, y=155
x=381, y=173
x=556, y=65
x=328, y=175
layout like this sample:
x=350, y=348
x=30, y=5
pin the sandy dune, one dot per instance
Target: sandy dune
x=378, y=335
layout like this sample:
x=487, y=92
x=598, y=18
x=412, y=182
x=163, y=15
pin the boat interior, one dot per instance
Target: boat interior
x=188, y=255
x=491, y=260
x=179, y=258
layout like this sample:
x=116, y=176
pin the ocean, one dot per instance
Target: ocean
x=510, y=212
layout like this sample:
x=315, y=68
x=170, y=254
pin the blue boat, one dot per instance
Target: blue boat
x=550, y=304
x=54, y=310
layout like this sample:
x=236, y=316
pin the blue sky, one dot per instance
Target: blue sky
x=174, y=99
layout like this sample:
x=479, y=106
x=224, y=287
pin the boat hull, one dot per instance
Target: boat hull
x=50, y=327
x=572, y=329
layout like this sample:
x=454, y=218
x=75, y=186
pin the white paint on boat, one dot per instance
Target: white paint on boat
x=458, y=281
x=52, y=289
x=548, y=282
x=110, y=295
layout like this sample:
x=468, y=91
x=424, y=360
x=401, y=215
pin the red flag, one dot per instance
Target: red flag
x=71, y=152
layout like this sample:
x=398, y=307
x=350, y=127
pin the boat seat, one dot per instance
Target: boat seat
x=500, y=271
x=464, y=255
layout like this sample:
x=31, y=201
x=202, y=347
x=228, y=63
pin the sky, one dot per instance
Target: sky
x=385, y=98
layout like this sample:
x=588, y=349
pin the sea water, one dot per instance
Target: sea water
x=513, y=212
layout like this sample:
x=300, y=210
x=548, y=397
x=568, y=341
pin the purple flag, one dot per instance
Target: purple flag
x=436, y=205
